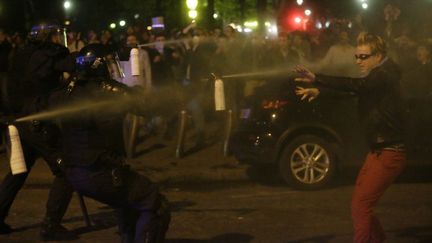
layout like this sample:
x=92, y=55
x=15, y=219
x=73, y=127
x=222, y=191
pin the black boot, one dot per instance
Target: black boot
x=54, y=231
x=5, y=228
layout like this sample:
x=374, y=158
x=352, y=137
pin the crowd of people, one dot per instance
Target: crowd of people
x=185, y=58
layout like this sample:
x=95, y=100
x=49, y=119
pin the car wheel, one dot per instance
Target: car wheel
x=307, y=162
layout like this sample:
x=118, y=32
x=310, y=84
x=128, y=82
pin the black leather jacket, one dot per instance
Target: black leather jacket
x=381, y=109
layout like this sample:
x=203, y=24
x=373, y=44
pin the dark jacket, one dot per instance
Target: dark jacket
x=36, y=70
x=46, y=67
x=92, y=133
x=380, y=104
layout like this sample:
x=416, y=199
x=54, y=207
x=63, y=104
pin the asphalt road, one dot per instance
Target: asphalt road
x=245, y=212
x=237, y=204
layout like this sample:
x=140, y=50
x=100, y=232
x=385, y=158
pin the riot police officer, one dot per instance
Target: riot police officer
x=36, y=72
x=93, y=149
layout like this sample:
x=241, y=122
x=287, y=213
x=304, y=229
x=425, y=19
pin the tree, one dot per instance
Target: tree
x=261, y=7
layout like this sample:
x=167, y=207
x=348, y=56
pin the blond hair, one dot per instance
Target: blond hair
x=376, y=43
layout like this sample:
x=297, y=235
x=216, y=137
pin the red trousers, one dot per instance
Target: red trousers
x=377, y=174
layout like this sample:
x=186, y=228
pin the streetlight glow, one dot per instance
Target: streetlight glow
x=297, y=19
x=308, y=12
x=113, y=25
x=365, y=5
x=192, y=4
x=122, y=23
x=299, y=2
x=193, y=14
x=251, y=24
x=247, y=30
x=215, y=16
x=67, y=4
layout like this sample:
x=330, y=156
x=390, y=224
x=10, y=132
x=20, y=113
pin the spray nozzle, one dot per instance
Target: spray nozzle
x=71, y=86
x=214, y=76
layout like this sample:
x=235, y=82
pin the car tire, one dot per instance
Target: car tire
x=308, y=162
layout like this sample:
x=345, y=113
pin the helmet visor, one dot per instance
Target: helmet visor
x=114, y=68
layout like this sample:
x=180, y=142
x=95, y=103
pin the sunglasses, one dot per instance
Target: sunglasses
x=362, y=56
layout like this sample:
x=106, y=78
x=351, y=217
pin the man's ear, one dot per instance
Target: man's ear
x=380, y=56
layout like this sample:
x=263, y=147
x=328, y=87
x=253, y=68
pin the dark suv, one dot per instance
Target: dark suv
x=309, y=141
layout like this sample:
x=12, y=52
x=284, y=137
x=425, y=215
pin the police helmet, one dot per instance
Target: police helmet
x=95, y=61
x=48, y=32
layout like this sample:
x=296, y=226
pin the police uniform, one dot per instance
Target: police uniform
x=44, y=63
x=93, y=152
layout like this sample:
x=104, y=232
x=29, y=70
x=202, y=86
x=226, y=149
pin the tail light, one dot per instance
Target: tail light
x=273, y=104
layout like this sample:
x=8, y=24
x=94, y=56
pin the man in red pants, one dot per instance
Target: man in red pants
x=381, y=114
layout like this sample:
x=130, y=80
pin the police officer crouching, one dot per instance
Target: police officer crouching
x=94, y=153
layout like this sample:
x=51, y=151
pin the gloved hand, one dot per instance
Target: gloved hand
x=6, y=120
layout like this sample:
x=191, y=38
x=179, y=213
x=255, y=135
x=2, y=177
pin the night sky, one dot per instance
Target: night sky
x=21, y=14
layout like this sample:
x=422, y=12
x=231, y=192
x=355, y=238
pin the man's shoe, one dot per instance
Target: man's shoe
x=50, y=231
x=5, y=228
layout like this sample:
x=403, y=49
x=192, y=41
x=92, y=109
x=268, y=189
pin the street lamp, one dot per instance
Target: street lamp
x=122, y=23
x=308, y=12
x=67, y=4
x=192, y=4
x=193, y=14
x=113, y=25
x=299, y=2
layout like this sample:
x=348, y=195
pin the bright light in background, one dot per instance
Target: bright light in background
x=67, y=22
x=297, y=20
x=215, y=16
x=191, y=4
x=247, y=30
x=318, y=25
x=193, y=14
x=308, y=12
x=327, y=24
x=239, y=28
x=299, y=2
x=251, y=24
x=113, y=25
x=267, y=24
x=149, y=28
x=136, y=16
x=67, y=5
x=122, y=23
x=365, y=5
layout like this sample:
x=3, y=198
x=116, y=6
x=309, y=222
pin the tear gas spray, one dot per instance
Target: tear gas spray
x=219, y=94
x=17, y=162
x=134, y=61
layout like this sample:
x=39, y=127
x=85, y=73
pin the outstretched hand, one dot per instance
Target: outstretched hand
x=306, y=75
x=307, y=93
